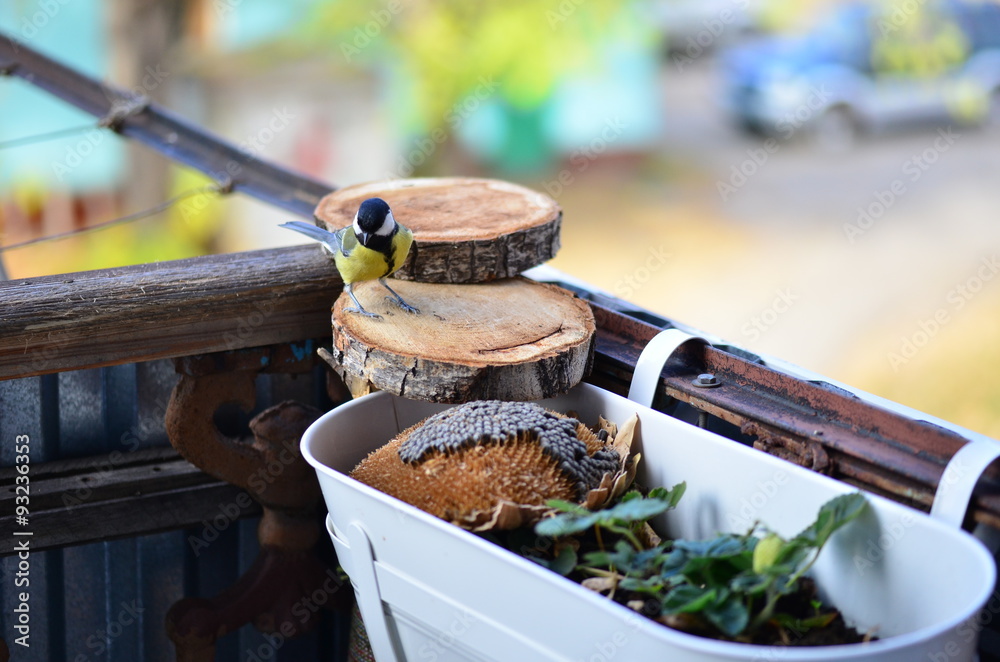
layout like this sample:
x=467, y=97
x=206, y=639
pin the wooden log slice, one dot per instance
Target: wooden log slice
x=466, y=230
x=512, y=339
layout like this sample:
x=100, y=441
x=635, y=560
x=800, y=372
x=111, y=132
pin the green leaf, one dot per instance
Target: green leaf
x=687, y=599
x=566, y=524
x=562, y=564
x=633, y=507
x=731, y=615
x=598, y=559
x=727, y=544
x=750, y=583
x=565, y=562
x=716, y=571
x=671, y=496
x=834, y=514
x=566, y=506
x=626, y=560
x=793, y=554
x=634, y=510
x=800, y=626
x=651, y=585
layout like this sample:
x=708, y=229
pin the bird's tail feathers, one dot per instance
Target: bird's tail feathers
x=313, y=232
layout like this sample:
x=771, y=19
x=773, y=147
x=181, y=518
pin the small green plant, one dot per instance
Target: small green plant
x=732, y=585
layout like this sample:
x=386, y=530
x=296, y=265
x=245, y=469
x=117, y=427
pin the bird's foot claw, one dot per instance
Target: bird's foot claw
x=405, y=306
x=360, y=311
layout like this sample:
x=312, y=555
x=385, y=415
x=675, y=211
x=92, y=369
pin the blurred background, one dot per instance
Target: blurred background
x=816, y=180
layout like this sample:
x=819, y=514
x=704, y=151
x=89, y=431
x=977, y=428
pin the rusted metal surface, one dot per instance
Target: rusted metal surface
x=813, y=424
x=284, y=589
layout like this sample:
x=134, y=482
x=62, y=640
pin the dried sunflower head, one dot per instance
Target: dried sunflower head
x=493, y=465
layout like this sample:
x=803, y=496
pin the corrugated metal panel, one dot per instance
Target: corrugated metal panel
x=108, y=601
x=159, y=583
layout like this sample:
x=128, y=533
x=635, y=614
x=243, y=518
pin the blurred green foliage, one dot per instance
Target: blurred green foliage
x=436, y=52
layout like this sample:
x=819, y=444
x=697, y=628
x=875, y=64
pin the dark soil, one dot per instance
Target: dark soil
x=798, y=605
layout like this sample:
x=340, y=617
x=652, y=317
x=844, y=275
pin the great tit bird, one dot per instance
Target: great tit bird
x=372, y=247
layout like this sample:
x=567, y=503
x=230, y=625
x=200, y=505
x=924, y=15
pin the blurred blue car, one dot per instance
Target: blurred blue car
x=869, y=67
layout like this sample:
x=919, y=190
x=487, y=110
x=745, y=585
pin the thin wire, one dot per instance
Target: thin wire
x=152, y=211
x=52, y=135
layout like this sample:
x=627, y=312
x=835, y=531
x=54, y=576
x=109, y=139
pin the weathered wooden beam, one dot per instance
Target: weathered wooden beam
x=164, y=310
x=74, y=502
x=133, y=116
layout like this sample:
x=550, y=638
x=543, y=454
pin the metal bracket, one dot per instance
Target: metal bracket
x=272, y=469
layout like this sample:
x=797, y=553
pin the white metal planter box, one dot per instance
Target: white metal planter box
x=428, y=590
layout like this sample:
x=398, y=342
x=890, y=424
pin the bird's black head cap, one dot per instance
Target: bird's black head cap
x=372, y=215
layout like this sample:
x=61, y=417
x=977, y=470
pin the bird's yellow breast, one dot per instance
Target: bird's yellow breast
x=366, y=264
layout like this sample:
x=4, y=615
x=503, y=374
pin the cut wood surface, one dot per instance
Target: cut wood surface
x=465, y=230
x=513, y=339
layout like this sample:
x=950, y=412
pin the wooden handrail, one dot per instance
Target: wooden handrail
x=166, y=309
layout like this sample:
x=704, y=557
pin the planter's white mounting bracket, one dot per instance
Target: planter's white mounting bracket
x=656, y=353
x=954, y=491
x=368, y=595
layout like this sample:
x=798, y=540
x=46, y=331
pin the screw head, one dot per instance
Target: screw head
x=706, y=380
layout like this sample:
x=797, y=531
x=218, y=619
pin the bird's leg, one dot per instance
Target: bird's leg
x=359, y=309
x=398, y=299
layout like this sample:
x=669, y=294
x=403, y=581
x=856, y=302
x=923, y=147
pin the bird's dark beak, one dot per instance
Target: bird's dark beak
x=364, y=237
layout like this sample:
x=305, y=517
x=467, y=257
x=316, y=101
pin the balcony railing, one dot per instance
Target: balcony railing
x=123, y=528
x=86, y=363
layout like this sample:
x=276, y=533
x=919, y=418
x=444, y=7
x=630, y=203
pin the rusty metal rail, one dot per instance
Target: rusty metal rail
x=811, y=423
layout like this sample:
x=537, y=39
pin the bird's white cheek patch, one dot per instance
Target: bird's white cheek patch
x=387, y=226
